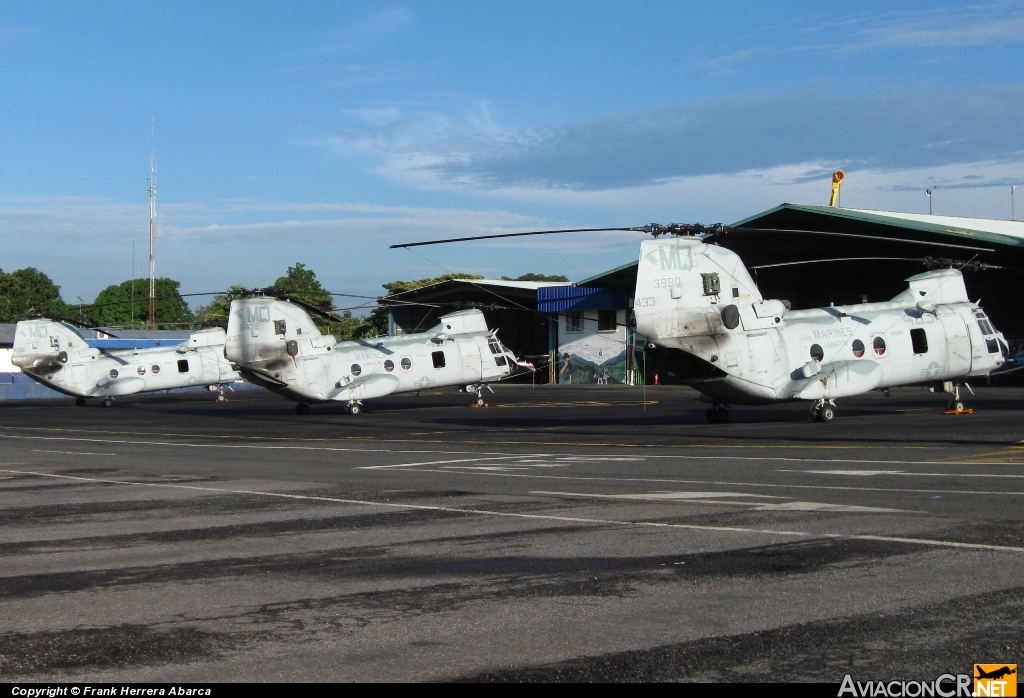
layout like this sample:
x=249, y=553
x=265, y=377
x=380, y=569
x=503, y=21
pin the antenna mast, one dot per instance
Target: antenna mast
x=152, y=226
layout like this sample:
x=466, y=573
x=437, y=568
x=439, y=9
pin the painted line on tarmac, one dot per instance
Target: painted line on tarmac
x=539, y=517
x=432, y=462
x=586, y=478
x=874, y=473
x=492, y=442
x=341, y=449
x=73, y=453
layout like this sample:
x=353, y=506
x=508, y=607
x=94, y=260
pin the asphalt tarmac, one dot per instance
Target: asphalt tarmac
x=562, y=533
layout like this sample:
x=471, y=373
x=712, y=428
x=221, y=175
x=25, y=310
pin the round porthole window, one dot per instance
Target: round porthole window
x=879, y=344
x=389, y=365
x=141, y=370
x=155, y=368
x=406, y=364
x=356, y=369
x=858, y=348
x=113, y=373
x=817, y=353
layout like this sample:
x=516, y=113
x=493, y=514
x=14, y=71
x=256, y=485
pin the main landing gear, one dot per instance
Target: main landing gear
x=718, y=414
x=354, y=407
x=823, y=411
x=80, y=401
x=956, y=405
x=108, y=402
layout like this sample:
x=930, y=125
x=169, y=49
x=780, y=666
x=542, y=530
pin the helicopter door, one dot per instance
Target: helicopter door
x=471, y=363
x=958, y=343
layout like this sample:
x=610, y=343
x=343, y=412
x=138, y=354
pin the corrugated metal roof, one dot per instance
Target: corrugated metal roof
x=1000, y=232
x=560, y=299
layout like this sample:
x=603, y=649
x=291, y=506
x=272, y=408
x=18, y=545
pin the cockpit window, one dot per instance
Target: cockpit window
x=986, y=327
x=494, y=345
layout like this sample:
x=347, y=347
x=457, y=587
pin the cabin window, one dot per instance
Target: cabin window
x=280, y=327
x=858, y=348
x=817, y=353
x=879, y=346
x=113, y=373
x=735, y=292
x=155, y=368
x=919, y=340
x=406, y=364
x=141, y=370
x=389, y=365
x=605, y=320
x=438, y=357
x=182, y=365
x=501, y=360
x=574, y=321
x=356, y=369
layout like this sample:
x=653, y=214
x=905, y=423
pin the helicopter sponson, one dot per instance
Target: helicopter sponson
x=707, y=324
x=276, y=344
x=54, y=354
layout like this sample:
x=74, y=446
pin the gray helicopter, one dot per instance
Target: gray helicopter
x=275, y=344
x=705, y=321
x=55, y=354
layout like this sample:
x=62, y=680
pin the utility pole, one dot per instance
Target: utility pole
x=1013, y=209
x=152, y=226
x=928, y=193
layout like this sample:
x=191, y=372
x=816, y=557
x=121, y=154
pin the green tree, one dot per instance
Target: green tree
x=302, y=283
x=127, y=304
x=376, y=322
x=29, y=292
x=536, y=277
x=216, y=313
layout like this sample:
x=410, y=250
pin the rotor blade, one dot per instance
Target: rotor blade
x=921, y=260
x=729, y=230
x=508, y=235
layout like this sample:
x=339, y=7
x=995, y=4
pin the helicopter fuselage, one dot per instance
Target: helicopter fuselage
x=707, y=324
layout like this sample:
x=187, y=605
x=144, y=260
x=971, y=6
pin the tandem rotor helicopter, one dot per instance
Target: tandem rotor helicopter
x=705, y=320
x=275, y=344
x=54, y=354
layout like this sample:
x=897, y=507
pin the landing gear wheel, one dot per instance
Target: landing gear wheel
x=479, y=402
x=80, y=401
x=302, y=408
x=107, y=402
x=955, y=406
x=355, y=408
x=826, y=414
x=718, y=415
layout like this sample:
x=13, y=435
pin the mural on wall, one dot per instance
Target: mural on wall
x=592, y=359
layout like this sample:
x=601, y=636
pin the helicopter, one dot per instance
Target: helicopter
x=705, y=321
x=277, y=345
x=56, y=355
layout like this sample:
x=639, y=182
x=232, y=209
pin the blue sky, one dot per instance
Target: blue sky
x=322, y=132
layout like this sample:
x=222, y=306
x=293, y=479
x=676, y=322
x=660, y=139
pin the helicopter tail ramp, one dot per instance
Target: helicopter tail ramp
x=40, y=343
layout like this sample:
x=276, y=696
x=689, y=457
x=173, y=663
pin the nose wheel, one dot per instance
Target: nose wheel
x=355, y=407
x=108, y=402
